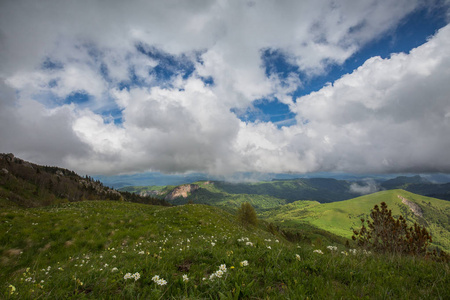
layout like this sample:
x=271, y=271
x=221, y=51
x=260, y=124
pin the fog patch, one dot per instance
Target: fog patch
x=368, y=186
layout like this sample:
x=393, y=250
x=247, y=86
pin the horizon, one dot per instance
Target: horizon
x=227, y=88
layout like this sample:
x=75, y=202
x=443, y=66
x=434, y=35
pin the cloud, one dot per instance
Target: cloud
x=388, y=115
x=41, y=135
x=147, y=63
x=369, y=186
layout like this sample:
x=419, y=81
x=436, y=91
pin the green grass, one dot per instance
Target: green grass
x=84, y=249
x=341, y=217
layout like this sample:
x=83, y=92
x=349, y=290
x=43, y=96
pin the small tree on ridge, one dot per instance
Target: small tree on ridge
x=246, y=214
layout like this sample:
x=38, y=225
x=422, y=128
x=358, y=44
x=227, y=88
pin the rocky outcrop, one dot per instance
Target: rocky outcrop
x=413, y=206
x=182, y=191
x=152, y=193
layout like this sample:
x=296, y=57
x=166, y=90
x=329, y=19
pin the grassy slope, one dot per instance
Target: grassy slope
x=340, y=217
x=70, y=250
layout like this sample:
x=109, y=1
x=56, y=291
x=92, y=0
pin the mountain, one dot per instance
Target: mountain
x=26, y=184
x=269, y=194
x=261, y=195
x=419, y=185
x=403, y=182
x=342, y=217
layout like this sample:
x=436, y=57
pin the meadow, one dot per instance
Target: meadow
x=342, y=217
x=120, y=250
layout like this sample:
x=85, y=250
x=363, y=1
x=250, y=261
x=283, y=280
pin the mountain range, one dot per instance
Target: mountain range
x=324, y=204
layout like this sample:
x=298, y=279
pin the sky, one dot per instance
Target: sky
x=226, y=87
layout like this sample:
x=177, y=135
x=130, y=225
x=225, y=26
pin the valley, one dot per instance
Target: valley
x=66, y=236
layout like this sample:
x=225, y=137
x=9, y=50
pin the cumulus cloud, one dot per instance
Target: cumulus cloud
x=175, y=120
x=388, y=115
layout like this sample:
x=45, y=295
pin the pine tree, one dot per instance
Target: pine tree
x=385, y=234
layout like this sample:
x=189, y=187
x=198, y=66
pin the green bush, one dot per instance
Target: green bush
x=247, y=215
x=385, y=234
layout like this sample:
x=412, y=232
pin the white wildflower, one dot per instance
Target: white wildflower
x=136, y=276
x=223, y=268
x=161, y=282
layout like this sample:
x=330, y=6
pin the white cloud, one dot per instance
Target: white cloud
x=368, y=186
x=387, y=115
x=363, y=122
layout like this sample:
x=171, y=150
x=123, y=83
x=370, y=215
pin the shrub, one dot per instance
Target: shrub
x=246, y=214
x=385, y=234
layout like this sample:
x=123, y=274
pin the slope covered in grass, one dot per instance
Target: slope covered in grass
x=115, y=250
x=341, y=217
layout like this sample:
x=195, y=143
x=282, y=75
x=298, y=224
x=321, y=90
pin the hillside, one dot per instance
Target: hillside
x=341, y=217
x=119, y=250
x=267, y=195
x=262, y=195
x=29, y=185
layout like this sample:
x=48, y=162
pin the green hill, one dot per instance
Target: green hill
x=57, y=243
x=341, y=217
x=115, y=250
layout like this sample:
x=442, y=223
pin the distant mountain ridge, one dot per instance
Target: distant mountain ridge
x=264, y=195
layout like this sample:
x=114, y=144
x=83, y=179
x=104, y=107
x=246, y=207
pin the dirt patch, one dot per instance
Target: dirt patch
x=412, y=206
x=13, y=252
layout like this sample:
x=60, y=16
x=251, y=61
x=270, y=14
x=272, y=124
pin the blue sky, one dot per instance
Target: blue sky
x=411, y=32
x=227, y=87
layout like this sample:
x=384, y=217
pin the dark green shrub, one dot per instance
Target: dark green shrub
x=247, y=215
x=385, y=234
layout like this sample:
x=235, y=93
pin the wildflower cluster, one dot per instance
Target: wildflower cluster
x=318, y=251
x=356, y=251
x=159, y=281
x=219, y=273
x=297, y=257
x=12, y=289
x=244, y=263
x=134, y=276
x=332, y=248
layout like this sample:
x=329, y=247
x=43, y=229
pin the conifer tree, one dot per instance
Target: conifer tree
x=385, y=234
